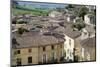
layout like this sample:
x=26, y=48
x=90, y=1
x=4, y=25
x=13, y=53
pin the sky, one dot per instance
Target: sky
x=41, y=4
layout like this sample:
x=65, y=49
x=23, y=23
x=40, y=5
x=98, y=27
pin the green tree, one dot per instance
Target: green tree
x=83, y=11
x=78, y=25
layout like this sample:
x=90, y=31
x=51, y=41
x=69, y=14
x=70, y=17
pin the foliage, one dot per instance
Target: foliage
x=78, y=25
x=79, y=20
x=21, y=30
x=21, y=22
x=25, y=10
x=82, y=12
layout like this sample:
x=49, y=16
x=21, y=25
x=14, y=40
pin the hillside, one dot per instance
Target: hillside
x=26, y=10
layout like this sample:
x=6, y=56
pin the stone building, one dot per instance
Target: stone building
x=88, y=32
x=33, y=48
x=88, y=49
x=55, y=14
x=90, y=19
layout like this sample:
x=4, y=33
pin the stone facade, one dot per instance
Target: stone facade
x=42, y=54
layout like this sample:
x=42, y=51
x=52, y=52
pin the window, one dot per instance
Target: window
x=15, y=52
x=43, y=48
x=52, y=47
x=44, y=58
x=88, y=56
x=30, y=50
x=60, y=46
x=29, y=59
x=64, y=53
x=69, y=42
x=18, y=51
x=53, y=56
x=67, y=58
x=18, y=61
x=68, y=51
x=82, y=52
x=70, y=54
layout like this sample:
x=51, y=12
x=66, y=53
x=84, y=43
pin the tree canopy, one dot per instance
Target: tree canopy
x=78, y=25
x=82, y=12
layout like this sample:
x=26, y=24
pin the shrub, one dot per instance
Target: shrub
x=21, y=30
x=78, y=25
x=83, y=11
